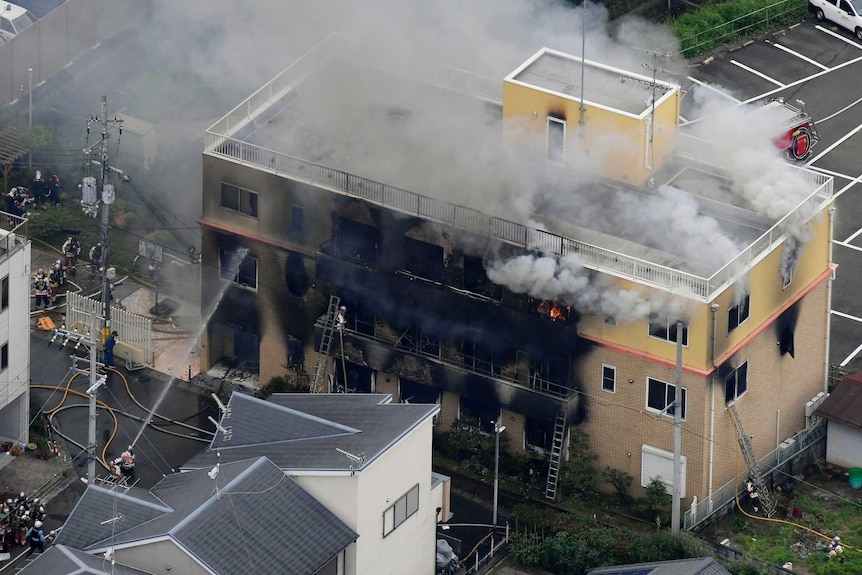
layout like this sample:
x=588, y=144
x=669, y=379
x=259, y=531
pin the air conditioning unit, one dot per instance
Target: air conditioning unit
x=814, y=403
x=786, y=445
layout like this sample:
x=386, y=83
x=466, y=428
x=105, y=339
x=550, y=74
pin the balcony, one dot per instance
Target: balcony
x=13, y=235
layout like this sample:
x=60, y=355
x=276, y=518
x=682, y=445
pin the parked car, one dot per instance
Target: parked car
x=14, y=19
x=845, y=13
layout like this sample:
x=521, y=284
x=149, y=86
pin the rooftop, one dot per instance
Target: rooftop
x=426, y=140
x=844, y=404
x=604, y=86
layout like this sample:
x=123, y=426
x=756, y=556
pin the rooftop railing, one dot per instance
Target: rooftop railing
x=220, y=141
x=13, y=234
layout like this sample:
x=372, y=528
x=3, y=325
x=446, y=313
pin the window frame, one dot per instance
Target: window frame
x=736, y=312
x=669, y=328
x=664, y=410
x=235, y=279
x=4, y=356
x=734, y=375
x=395, y=516
x=613, y=378
x=551, y=149
x=785, y=282
x=253, y=210
x=4, y=293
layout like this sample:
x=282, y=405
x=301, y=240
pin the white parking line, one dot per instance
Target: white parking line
x=845, y=245
x=841, y=111
x=713, y=88
x=839, y=36
x=853, y=236
x=831, y=173
x=849, y=134
x=850, y=357
x=756, y=73
x=800, y=56
x=805, y=79
x=846, y=315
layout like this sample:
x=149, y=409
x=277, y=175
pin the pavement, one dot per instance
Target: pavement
x=181, y=408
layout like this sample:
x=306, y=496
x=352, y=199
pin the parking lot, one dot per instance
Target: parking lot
x=820, y=64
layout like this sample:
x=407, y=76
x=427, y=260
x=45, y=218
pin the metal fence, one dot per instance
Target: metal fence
x=725, y=495
x=13, y=234
x=133, y=330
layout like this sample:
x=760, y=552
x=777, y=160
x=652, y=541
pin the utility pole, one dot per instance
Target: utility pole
x=498, y=429
x=107, y=200
x=677, y=434
x=92, y=339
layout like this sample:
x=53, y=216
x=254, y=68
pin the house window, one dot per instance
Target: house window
x=611, y=320
x=663, y=327
x=239, y=200
x=4, y=293
x=401, y=510
x=556, y=140
x=786, y=279
x=297, y=222
x=736, y=383
x=242, y=272
x=660, y=396
x=4, y=356
x=609, y=378
x=657, y=462
x=423, y=259
x=738, y=313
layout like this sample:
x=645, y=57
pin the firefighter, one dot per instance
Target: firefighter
x=5, y=535
x=127, y=460
x=21, y=501
x=55, y=279
x=24, y=522
x=40, y=189
x=835, y=547
x=40, y=288
x=71, y=251
x=108, y=359
x=753, y=495
x=95, y=256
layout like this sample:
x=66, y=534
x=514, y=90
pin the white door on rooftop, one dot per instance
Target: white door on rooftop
x=556, y=140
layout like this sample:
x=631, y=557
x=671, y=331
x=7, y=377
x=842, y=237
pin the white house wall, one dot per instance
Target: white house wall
x=361, y=501
x=15, y=330
x=843, y=445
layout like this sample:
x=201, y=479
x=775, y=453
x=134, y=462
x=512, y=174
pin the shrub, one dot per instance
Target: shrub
x=656, y=503
x=579, y=474
x=621, y=481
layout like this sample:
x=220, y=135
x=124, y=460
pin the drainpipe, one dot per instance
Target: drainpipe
x=829, y=301
x=714, y=308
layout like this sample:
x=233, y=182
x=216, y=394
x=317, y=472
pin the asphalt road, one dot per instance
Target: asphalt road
x=159, y=448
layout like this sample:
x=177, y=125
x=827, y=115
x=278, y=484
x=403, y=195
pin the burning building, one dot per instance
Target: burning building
x=522, y=250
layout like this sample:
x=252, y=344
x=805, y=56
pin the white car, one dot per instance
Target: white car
x=14, y=19
x=845, y=13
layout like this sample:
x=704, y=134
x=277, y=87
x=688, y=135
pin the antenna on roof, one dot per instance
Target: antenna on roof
x=359, y=460
x=226, y=432
x=112, y=520
x=225, y=410
x=213, y=474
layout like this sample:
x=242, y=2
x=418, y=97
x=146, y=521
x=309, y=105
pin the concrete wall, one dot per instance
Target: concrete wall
x=843, y=445
x=56, y=40
x=14, y=330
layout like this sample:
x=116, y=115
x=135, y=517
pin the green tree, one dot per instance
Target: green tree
x=578, y=478
x=655, y=505
x=621, y=482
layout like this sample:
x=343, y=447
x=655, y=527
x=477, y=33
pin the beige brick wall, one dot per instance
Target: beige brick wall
x=514, y=423
x=387, y=383
x=450, y=404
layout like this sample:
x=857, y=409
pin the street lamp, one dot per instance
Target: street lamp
x=498, y=429
x=30, y=93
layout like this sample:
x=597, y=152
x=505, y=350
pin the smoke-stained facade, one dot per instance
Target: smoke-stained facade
x=494, y=276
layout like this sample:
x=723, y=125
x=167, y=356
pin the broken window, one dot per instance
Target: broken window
x=736, y=383
x=663, y=327
x=414, y=392
x=556, y=140
x=296, y=275
x=482, y=414
x=537, y=435
x=357, y=241
x=423, y=259
x=239, y=200
x=297, y=222
x=738, y=313
x=238, y=266
x=660, y=396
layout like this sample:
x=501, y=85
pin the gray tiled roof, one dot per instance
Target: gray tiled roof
x=86, y=524
x=303, y=431
x=251, y=506
x=696, y=566
x=62, y=560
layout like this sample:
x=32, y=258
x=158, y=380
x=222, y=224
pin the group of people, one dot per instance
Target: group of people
x=21, y=524
x=47, y=285
x=44, y=192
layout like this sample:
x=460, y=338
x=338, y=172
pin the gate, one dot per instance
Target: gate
x=134, y=331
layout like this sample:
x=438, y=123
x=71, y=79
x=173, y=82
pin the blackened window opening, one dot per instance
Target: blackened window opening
x=476, y=278
x=414, y=392
x=423, y=259
x=736, y=383
x=297, y=222
x=738, y=313
x=296, y=276
x=537, y=434
x=357, y=241
x=479, y=413
x=663, y=327
x=358, y=378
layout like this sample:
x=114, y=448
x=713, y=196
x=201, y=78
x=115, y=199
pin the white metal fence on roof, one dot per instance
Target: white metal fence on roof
x=133, y=330
x=220, y=141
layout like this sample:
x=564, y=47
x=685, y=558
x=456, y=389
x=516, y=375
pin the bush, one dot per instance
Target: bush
x=290, y=383
x=621, y=482
x=48, y=224
x=578, y=478
x=655, y=505
x=712, y=25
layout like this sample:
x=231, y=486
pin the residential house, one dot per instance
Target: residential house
x=843, y=413
x=696, y=566
x=240, y=517
x=15, y=303
x=366, y=459
x=528, y=250
x=62, y=560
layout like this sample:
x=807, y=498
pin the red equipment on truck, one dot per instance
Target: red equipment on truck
x=799, y=135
